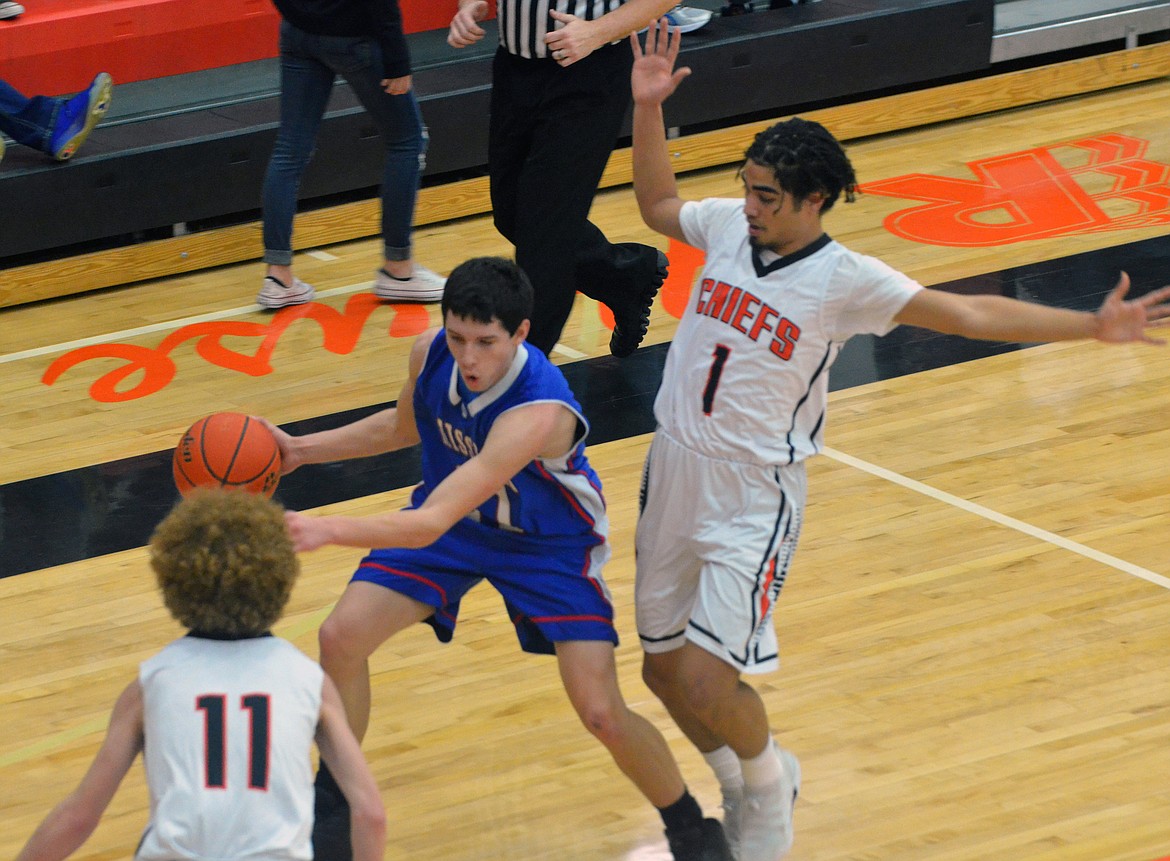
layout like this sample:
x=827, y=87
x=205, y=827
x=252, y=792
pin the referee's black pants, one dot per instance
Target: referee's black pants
x=551, y=133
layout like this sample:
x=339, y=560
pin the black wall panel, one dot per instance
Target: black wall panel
x=205, y=165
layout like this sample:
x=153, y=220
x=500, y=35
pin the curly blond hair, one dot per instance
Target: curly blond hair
x=224, y=562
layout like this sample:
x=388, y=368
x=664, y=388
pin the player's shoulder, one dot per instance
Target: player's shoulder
x=425, y=341
x=854, y=268
x=712, y=211
x=425, y=346
x=541, y=374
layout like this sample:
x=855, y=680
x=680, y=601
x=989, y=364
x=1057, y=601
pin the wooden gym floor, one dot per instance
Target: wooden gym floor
x=975, y=633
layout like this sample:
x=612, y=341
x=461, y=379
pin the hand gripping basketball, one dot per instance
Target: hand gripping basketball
x=229, y=450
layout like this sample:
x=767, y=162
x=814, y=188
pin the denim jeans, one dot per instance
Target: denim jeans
x=28, y=121
x=309, y=64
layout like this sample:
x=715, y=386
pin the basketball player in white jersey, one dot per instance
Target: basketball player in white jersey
x=226, y=716
x=742, y=405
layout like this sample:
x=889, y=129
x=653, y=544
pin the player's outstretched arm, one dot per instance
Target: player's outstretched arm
x=998, y=318
x=71, y=822
x=341, y=752
x=386, y=430
x=652, y=81
x=517, y=438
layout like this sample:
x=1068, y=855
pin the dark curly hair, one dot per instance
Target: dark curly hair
x=224, y=562
x=805, y=159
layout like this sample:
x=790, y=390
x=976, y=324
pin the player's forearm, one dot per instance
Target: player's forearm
x=366, y=437
x=368, y=836
x=998, y=318
x=61, y=833
x=654, y=181
x=412, y=528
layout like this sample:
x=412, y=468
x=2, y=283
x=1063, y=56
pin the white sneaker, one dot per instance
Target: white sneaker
x=732, y=811
x=766, y=820
x=10, y=9
x=688, y=18
x=423, y=285
x=276, y=294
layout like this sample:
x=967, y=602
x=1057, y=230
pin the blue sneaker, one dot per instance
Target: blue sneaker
x=78, y=116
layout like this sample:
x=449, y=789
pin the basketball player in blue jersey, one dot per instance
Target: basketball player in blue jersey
x=225, y=717
x=742, y=405
x=507, y=496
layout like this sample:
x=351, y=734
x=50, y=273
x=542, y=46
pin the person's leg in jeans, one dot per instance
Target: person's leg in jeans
x=305, y=85
x=404, y=137
x=54, y=125
x=28, y=121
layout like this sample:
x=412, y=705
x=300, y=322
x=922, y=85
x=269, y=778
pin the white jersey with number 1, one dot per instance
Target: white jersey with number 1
x=229, y=728
x=746, y=376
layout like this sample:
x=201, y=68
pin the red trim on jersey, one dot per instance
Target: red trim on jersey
x=585, y=618
x=769, y=576
x=409, y=576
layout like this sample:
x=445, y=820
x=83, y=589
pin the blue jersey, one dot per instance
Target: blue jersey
x=549, y=497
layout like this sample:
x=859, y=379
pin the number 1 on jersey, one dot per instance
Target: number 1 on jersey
x=720, y=354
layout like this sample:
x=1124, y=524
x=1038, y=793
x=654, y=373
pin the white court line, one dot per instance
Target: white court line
x=1001, y=519
x=568, y=351
x=49, y=349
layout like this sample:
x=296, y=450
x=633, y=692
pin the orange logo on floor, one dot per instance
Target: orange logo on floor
x=1085, y=186
x=147, y=370
x=154, y=367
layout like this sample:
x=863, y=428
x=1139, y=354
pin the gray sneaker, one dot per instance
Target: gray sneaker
x=276, y=294
x=423, y=285
x=10, y=9
x=766, y=821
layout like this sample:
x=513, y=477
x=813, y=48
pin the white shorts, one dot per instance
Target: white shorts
x=714, y=542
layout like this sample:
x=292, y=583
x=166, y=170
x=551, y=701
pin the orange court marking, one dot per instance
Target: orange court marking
x=152, y=369
x=1085, y=186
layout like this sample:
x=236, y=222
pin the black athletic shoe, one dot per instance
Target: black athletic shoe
x=331, y=829
x=704, y=842
x=630, y=323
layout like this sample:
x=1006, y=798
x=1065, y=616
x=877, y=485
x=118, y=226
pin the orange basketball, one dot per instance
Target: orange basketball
x=229, y=450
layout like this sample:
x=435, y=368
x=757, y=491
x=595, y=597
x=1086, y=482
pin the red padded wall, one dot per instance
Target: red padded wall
x=57, y=46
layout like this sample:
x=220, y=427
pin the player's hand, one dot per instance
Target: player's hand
x=465, y=29
x=289, y=458
x=307, y=533
x=397, y=86
x=1120, y=321
x=573, y=41
x=654, y=77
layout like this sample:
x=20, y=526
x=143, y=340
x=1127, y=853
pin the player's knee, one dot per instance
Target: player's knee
x=702, y=694
x=337, y=648
x=606, y=721
x=657, y=677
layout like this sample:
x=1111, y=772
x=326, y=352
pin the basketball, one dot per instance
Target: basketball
x=229, y=450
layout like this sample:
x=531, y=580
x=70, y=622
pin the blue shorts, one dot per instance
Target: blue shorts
x=552, y=587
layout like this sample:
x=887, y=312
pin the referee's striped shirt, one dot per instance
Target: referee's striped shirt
x=524, y=23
